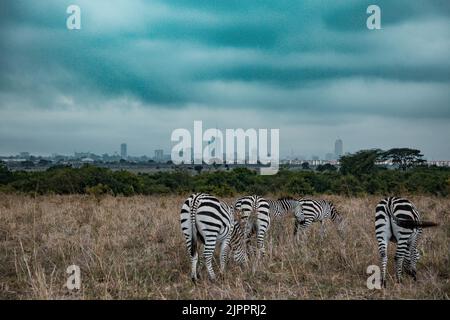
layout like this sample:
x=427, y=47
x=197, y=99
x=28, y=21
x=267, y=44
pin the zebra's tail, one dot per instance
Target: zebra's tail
x=255, y=207
x=193, y=208
x=411, y=224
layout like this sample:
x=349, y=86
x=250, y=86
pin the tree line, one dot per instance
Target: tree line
x=359, y=174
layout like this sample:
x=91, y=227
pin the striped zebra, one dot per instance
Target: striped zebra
x=282, y=207
x=254, y=211
x=398, y=220
x=316, y=210
x=206, y=219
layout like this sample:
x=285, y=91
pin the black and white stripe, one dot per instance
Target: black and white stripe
x=254, y=211
x=315, y=210
x=206, y=219
x=282, y=207
x=398, y=220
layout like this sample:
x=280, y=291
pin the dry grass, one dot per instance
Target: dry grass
x=132, y=248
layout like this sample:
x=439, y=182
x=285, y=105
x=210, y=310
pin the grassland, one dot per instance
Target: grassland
x=132, y=248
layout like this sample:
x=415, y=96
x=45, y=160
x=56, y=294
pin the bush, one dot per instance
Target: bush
x=97, y=181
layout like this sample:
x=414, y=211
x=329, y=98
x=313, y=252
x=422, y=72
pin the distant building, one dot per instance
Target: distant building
x=338, y=148
x=159, y=155
x=439, y=163
x=329, y=156
x=25, y=155
x=81, y=155
x=123, y=151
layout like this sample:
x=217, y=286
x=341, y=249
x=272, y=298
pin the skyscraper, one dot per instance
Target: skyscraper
x=338, y=148
x=123, y=151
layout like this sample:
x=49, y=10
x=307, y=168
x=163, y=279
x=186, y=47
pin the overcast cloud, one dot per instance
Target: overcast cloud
x=139, y=69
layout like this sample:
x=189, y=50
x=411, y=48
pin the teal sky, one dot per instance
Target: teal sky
x=139, y=69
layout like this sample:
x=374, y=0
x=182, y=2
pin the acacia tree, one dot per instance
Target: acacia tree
x=361, y=162
x=404, y=157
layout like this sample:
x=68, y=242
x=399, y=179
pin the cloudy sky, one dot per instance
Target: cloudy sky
x=137, y=70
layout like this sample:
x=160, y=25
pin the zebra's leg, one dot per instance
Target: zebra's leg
x=402, y=250
x=382, y=249
x=245, y=217
x=194, y=260
x=260, y=240
x=201, y=263
x=301, y=226
x=407, y=263
x=224, y=250
x=240, y=253
x=250, y=230
x=208, y=252
x=263, y=224
x=383, y=234
x=383, y=238
x=191, y=243
x=413, y=254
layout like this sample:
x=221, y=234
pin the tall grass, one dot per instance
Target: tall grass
x=132, y=248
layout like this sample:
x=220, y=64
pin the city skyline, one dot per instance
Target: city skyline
x=161, y=155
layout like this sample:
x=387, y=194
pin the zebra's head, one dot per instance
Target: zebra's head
x=298, y=210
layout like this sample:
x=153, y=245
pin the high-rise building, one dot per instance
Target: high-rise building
x=338, y=148
x=123, y=151
x=159, y=155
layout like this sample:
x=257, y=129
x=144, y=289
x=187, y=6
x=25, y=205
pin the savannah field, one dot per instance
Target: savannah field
x=132, y=248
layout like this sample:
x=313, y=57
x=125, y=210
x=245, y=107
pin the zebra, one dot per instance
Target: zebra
x=206, y=219
x=254, y=211
x=258, y=212
x=398, y=220
x=282, y=207
x=316, y=210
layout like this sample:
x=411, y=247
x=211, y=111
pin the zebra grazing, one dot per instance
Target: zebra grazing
x=206, y=219
x=282, y=207
x=398, y=220
x=316, y=210
x=254, y=211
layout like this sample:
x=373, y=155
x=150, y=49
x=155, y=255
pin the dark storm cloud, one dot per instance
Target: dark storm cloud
x=296, y=76
x=148, y=58
x=303, y=62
